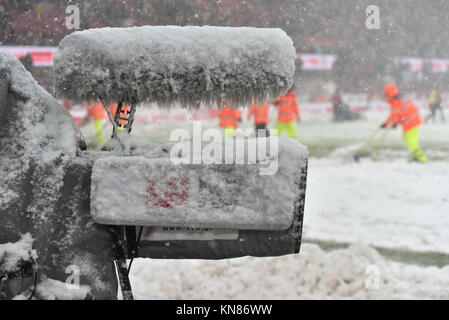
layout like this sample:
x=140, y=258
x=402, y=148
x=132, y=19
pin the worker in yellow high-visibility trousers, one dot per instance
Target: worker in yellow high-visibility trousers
x=97, y=113
x=229, y=119
x=288, y=114
x=406, y=114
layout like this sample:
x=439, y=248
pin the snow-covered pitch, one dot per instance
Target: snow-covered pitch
x=166, y=64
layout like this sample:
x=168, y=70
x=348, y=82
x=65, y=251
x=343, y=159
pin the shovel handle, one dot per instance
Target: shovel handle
x=382, y=138
x=369, y=140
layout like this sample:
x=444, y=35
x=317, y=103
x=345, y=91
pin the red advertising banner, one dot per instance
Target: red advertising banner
x=440, y=65
x=415, y=64
x=317, y=61
x=41, y=56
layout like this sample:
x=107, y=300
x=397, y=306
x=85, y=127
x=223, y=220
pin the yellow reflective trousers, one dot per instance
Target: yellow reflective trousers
x=288, y=127
x=98, y=125
x=411, y=140
x=228, y=132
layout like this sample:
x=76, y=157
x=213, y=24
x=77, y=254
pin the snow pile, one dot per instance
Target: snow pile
x=202, y=195
x=50, y=289
x=13, y=254
x=166, y=64
x=357, y=272
x=345, y=154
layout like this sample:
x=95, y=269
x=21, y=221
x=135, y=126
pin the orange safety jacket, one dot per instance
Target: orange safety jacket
x=113, y=109
x=95, y=111
x=404, y=113
x=229, y=117
x=260, y=113
x=288, y=108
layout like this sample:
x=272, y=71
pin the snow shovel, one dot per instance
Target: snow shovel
x=372, y=143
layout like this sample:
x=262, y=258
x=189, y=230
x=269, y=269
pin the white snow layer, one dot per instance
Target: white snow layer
x=357, y=272
x=212, y=196
x=50, y=289
x=12, y=254
x=38, y=130
x=164, y=64
x=41, y=125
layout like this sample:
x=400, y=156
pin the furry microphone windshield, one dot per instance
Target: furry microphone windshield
x=192, y=66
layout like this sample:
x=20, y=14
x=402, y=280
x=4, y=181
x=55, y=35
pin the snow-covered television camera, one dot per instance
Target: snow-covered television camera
x=81, y=208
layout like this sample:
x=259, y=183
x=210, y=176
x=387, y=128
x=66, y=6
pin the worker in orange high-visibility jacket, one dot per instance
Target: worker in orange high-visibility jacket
x=405, y=113
x=98, y=114
x=229, y=119
x=288, y=114
x=259, y=110
x=124, y=114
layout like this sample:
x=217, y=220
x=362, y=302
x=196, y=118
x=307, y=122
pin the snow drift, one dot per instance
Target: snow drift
x=356, y=272
x=166, y=64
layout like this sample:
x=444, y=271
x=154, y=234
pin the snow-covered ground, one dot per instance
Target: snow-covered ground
x=385, y=201
x=392, y=204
